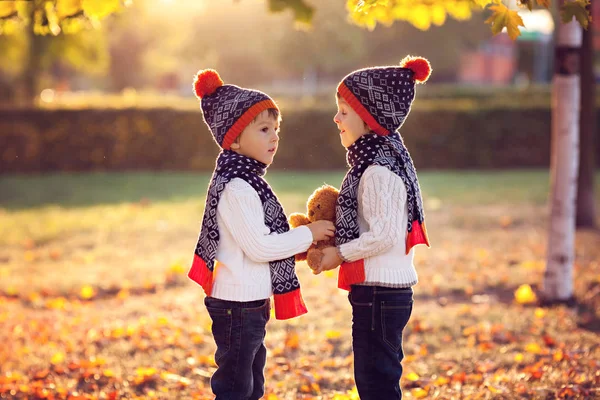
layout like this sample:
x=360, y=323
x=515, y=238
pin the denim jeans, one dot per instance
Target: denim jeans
x=379, y=316
x=239, y=332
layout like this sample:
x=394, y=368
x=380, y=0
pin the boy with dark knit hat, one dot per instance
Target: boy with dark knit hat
x=379, y=218
x=245, y=252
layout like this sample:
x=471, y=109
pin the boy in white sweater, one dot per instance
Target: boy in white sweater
x=245, y=252
x=379, y=218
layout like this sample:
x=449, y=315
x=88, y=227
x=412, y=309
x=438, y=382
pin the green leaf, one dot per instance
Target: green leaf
x=303, y=12
x=576, y=9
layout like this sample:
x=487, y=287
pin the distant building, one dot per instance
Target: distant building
x=501, y=61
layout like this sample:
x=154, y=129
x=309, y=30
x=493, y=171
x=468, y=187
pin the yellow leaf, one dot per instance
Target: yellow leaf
x=177, y=269
x=57, y=358
x=420, y=17
x=558, y=355
x=419, y=393
x=537, y=265
x=57, y=304
x=525, y=295
x=332, y=334
x=540, y=313
x=440, y=381
x=145, y=372
x=485, y=3
x=66, y=8
x=493, y=389
x=533, y=348
x=87, y=292
x=413, y=376
x=100, y=8
x=163, y=321
x=7, y=8
x=460, y=10
x=519, y=357
x=29, y=256
x=292, y=341
x=108, y=373
x=502, y=18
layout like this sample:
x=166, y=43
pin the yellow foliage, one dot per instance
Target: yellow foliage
x=7, y=8
x=55, y=17
x=57, y=358
x=87, y=292
x=66, y=8
x=99, y=9
x=525, y=295
x=423, y=13
x=505, y=18
x=533, y=348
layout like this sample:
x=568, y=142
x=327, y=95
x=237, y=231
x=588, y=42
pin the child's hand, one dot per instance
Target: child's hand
x=321, y=230
x=331, y=260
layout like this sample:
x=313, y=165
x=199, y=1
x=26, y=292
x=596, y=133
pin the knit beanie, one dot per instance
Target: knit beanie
x=382, y=96
x=228, y=109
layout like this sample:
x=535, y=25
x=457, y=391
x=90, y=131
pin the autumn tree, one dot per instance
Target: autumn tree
x=44, y=19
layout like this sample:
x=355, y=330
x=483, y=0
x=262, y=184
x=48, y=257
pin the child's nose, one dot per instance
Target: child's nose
x=336, y=119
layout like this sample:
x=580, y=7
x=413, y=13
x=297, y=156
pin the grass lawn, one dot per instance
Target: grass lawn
x=94, y=301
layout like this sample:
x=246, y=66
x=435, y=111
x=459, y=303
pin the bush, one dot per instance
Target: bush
x=164, y=139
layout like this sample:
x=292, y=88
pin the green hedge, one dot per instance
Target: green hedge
x=165, y=139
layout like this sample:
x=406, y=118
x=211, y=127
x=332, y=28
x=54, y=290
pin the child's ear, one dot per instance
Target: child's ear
x=236, y=143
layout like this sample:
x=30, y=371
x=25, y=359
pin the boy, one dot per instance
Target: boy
x=245, y=252
x=379, y=218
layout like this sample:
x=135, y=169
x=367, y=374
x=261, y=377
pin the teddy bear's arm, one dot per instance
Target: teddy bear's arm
x=298, y=219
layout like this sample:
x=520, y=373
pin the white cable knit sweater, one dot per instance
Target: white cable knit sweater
x=382, y=220
x=246, y=246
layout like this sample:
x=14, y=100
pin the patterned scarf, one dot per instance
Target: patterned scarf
x=284, y=282
x=388, y=151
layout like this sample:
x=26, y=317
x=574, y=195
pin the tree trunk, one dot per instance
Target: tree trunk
x=31, y=73
x=558, y=278
x=586, y=212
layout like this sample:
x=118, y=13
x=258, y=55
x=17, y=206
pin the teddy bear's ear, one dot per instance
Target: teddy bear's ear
x=298, y=219
x=331, y=189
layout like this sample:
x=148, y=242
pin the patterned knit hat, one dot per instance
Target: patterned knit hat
x=228, y=109
x=382, y=95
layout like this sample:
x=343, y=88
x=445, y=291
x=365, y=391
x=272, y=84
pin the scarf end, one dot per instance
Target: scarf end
x=351, y=273
x=418, y=235
x=289, y=305
x=200, y=274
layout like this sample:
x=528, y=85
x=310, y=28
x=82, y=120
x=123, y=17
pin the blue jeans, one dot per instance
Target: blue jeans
x=379, y=316
x=239, y=332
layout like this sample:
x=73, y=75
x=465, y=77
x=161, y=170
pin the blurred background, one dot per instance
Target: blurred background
x=138, y=64
x=105, y=161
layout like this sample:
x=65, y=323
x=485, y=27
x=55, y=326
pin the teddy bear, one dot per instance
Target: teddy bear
x=320, y=206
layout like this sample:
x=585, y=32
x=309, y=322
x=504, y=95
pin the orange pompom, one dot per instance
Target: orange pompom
x=419, y=65
x=206, y=82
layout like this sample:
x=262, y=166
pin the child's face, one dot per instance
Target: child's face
x=349, y=123
x=259, y=139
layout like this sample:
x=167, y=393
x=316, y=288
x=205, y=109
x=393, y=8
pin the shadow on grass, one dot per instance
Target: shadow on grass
x=68, y=190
